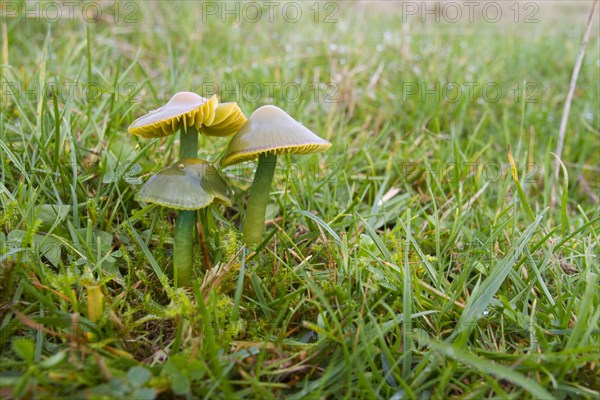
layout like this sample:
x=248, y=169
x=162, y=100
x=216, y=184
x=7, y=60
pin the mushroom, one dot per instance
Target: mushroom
x=187, y=110
x=269, y=132
x=191, y=114
x=183, y=109
x=189, y=185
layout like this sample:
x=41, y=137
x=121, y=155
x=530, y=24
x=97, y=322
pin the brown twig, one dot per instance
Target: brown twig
x=565, y=117
x=25, y=320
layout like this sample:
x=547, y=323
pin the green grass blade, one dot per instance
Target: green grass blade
x=489, y=367
x=483, y=295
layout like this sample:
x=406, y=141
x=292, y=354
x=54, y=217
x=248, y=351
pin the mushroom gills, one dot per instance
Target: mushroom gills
x=229, y=118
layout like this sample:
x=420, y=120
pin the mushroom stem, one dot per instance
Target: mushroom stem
x=254, y=222
x=186, y=219
x=182, y=249
x=188, y=143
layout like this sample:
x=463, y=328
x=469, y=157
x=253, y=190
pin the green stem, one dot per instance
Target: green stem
x=182, y=249
x=186, y=219
x=254, y=222
x=188, y=143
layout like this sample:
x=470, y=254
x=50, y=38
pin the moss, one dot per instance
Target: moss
x=9, y=218
x=92, y=210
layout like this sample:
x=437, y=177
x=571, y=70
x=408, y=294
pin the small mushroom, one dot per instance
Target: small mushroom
x=269, y=132
x=189, y=185
x=191, y=114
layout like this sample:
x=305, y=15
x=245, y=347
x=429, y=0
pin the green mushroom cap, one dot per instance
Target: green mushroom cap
x=271, y=130
x=190, y=184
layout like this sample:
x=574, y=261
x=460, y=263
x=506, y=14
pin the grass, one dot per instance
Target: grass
x=413, y=259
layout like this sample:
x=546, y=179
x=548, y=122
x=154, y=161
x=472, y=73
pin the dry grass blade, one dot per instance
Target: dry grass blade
x=215, y=275
x=567, y=109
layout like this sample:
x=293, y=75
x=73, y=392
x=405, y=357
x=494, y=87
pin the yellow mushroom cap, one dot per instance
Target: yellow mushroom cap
x=271, y=130
x=189, y=184
x=229, y=118
x=184, y=108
